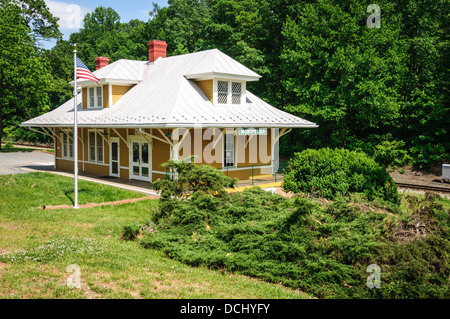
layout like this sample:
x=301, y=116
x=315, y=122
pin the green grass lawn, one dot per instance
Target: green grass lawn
x=37, y=246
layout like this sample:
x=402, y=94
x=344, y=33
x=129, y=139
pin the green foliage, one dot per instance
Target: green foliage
x=38, y=18
x=9, y=146
x=392, y=153
x=130, y=232
x=332, y=173
x=190, y=178
x=379, y=90
x=321, y=249
x=358, y=82
x=22, y=97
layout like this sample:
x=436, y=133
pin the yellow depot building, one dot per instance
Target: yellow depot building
x=143, y=113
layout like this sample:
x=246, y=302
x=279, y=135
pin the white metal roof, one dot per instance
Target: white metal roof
x=214, y=62
x=121, y=70
x=166, y=97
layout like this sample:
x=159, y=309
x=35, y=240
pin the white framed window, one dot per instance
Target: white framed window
x=95, y=97
x=229, y=92
x=95, y=147
x=66, y=145
x=229, y=149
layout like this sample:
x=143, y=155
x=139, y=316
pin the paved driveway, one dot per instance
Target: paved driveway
x=15, y=163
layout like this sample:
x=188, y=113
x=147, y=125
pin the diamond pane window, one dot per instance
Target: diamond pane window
x=236, y=90
x=222, y=92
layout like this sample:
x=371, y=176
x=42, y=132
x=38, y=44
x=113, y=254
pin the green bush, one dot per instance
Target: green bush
x=8, y=146
x=130, y=232
x=322, y=249
x=191, y=179
x=334, y=172
x=428, y=154
x=392, y=153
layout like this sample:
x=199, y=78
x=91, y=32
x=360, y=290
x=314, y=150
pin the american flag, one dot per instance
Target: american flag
x=84, y=73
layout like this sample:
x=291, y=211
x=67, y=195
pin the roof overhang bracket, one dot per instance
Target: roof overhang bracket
x=217, y=140
x=168, y=141
x=47, y=132
x=248, y=140
x=183, y=137
x=155, y=137
x=102, y=134
x=120, y=136
x=67, y=132
x=282, y=133
x=146, y=136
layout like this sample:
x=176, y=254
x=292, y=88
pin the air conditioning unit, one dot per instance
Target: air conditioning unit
x=446, y=172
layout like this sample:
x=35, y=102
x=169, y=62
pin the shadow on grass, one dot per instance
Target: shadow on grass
x=70, y=194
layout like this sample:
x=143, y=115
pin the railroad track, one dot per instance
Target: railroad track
x=424, y=187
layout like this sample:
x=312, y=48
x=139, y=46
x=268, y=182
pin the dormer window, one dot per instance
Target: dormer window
x=236, y=92
x=229, y=92
x=222, y=92
x=95, y=97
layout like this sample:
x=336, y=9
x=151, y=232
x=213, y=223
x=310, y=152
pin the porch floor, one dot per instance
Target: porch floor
x=146, y=187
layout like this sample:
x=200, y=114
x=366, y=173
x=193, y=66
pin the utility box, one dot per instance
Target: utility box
x=445, y=172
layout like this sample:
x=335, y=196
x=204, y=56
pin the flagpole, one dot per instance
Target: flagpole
x=75, y=130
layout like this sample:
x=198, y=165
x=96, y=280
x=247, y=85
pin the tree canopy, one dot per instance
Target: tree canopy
x=381, y=90
x=25, y=82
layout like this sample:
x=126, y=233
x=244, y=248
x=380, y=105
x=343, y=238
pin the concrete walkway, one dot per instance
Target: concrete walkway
x=132, y=185
x=19, y=162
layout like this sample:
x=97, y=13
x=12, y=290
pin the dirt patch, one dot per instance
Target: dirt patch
x=421, y=222
x=412, y=175
x=120, y=202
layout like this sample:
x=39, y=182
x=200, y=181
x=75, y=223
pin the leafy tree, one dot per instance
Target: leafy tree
x=369, y=89
x=38, y=18
x=425, y=86
x=342, y=74
x=361, y=84
x=103, y=34
x=24, y=77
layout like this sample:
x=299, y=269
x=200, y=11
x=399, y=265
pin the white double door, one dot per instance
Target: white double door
x=140, y=160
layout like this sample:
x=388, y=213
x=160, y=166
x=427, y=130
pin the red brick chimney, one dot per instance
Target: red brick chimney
x=156, y=49
x=101, y=62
